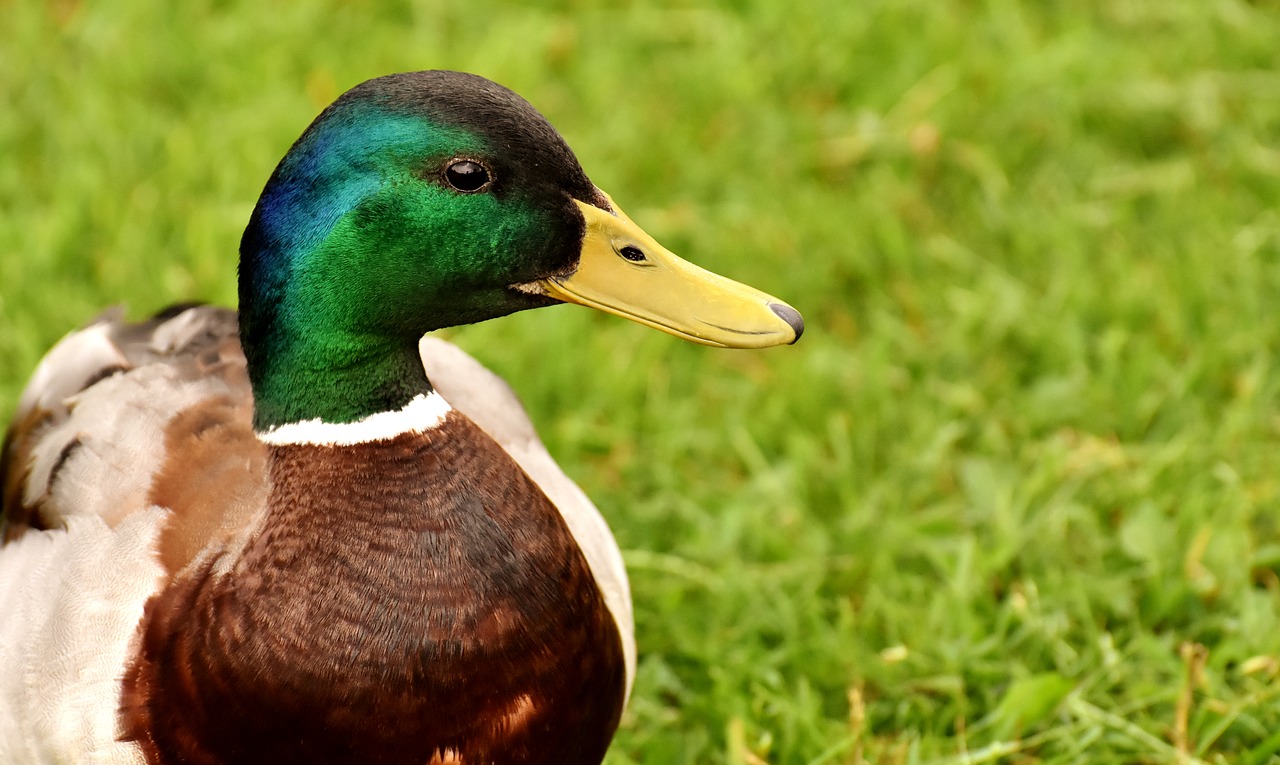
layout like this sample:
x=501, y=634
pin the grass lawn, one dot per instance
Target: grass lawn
x=1015, y=497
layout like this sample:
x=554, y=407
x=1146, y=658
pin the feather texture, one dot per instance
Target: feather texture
x=132, y=460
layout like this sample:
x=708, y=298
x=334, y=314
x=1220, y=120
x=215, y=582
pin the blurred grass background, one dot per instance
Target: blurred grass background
x=1014, y=497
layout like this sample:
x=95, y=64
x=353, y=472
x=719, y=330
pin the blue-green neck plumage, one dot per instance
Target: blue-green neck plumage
x=353, y=252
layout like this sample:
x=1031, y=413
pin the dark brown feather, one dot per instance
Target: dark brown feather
x=407, y=601
x=17, y=515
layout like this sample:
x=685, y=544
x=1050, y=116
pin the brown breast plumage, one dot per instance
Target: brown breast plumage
x=440, y=611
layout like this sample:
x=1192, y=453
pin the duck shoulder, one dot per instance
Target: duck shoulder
x=120, y=417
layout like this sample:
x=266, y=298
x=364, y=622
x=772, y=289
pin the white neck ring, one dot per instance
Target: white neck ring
x=422, y=413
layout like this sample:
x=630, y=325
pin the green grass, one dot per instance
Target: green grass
x=1015, y=494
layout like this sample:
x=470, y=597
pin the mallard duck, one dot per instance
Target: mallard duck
x=301, y=533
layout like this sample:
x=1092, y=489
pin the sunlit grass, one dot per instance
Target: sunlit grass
x=1027, y=456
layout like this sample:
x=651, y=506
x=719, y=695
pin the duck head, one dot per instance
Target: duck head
x=431, y=199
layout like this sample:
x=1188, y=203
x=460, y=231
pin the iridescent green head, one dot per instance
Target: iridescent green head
x=424, y=200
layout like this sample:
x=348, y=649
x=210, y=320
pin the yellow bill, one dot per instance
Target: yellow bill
x=623, y=271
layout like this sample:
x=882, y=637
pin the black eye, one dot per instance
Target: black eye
x=466, y=176
x=633, y=254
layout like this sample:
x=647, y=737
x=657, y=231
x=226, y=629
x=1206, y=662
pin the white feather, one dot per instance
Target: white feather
x=71, y=601
x=77, y=357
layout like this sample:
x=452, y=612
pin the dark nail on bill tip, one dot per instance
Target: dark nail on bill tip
x=790, y=316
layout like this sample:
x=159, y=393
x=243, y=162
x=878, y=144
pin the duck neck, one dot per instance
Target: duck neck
x=317, y=343
x=334, y=380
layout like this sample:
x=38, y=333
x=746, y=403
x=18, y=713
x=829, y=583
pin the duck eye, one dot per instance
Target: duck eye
x=466, y=176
